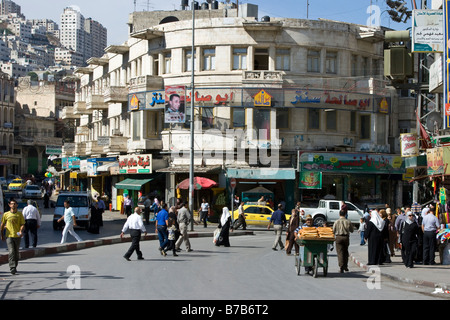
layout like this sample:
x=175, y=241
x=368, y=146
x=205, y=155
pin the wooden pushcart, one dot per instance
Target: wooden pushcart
x=313, y=254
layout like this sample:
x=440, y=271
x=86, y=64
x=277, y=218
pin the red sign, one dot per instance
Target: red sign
x=233, y=183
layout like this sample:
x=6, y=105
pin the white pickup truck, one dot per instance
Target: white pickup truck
x=328, y=212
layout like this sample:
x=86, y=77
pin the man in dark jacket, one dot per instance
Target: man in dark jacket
x=278, y=219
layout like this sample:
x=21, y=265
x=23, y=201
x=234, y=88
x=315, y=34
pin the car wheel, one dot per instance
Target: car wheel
x=320, y=221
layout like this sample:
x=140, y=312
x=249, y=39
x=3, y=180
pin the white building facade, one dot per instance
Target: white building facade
x=315, y=88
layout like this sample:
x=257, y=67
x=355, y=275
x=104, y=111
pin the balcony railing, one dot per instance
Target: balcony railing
x=146, y=83
x=95, y=101
x=68, y=113
x=115, y=94
x=263, y=75
x=79, y=107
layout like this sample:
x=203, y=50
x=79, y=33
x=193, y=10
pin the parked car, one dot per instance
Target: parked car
x=256, y=214
x=328, y=212
x=80, y=202
x=17, y=185
x=32, y=192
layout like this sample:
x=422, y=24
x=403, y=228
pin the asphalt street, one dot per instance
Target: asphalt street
x=248, y=270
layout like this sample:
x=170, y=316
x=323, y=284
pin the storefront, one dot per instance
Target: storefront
x=362, y=178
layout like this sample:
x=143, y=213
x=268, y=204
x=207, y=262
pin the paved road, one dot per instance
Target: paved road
x=248, y=270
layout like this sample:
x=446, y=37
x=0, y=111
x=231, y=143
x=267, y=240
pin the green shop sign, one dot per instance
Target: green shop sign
x=310, y=180
x=351, y=162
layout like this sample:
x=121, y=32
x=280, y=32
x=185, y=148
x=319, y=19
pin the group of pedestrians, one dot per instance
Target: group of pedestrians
x=170, y=225
x=412, y=231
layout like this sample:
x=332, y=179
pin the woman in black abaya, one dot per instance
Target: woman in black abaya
x=409, y=239
x=224, y=225
x=375, y=236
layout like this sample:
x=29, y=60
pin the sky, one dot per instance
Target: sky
x=113, y=14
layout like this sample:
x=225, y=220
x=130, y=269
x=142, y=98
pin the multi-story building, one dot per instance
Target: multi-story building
x=9, y=158
x=38, y=126
x=305, y=103
x=84, y=36
x=9, y=7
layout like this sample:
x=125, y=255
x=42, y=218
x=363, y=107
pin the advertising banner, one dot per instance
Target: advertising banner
x=175, y=104
x=446, y=60
x=427, y=33
x=351, y=163
x=409, y=145
x=310, y=180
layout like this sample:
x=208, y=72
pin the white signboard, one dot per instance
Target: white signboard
x=427, y=31
x=409, y=145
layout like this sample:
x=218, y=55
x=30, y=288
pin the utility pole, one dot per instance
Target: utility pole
x=191, y=155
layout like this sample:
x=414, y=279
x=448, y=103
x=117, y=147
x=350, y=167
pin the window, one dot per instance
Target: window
x=283, y=118
x=238, y=117
x=313, y=61
x=239, y=58
x=261, y=59
x=188, y=60
x=365, y=127
x=314, y=119
x=209, y=59
x=261, y=121
x=331, y=118
x=207, y=117
x=167, y=63
x=283, y=59
x=152, y=124
x=365, y=66
x=354, y=66
x=136, y=125
x=331, y=62
x=352, y=121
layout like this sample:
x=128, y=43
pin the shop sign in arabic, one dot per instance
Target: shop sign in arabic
x=427, y=31
x=135, y=163
x=332, y=99
x=351, y=162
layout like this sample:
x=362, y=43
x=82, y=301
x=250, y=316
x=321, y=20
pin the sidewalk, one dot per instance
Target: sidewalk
x=434, y=276
x=113, y=222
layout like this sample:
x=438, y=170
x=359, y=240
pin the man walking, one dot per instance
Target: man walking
x=183, y=218
x=342, y=229
x=70, y=221
x=136, y=226
x=32, y=223
x=278, y=219
x=161, y=223
x=12, y=229
x=430, y=225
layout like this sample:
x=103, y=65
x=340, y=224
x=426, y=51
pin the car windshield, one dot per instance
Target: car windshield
x=32, y=188
x=75, y=201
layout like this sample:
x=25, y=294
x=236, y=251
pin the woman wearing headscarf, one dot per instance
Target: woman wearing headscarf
x=224, y=225
x=374, y=236
x=409, y=239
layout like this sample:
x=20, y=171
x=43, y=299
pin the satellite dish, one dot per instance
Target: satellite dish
x=434, y=122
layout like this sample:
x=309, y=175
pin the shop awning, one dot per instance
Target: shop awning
x=105, y=167
x=262, y=173
x=132, y=184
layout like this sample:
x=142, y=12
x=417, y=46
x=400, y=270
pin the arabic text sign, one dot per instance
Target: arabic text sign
x=409, y=145
x=446, y=64
x=141, y=163
x=427, y=33
x=435, y=161
x=351, y=162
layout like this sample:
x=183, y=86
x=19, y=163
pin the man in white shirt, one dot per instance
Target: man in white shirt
x=136, y=226
x=70, y=222
x=32, y=223
x=183, y=218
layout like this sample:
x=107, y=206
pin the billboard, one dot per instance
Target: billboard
x=446, y=65
x=427, y=33
x=175, y=104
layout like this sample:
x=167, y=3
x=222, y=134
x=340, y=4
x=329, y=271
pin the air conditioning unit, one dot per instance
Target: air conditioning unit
x=116, y=132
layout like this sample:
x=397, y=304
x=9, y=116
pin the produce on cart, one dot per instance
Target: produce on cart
x=314, y=247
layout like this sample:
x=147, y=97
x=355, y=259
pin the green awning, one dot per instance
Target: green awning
x=132, y=184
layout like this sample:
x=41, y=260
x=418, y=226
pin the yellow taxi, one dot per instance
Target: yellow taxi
x=257, y=214
x=17, y=184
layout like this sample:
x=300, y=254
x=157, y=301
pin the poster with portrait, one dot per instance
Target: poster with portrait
x=174, y=111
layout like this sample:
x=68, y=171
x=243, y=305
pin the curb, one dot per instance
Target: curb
x=39, y=252
x=400, y=279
